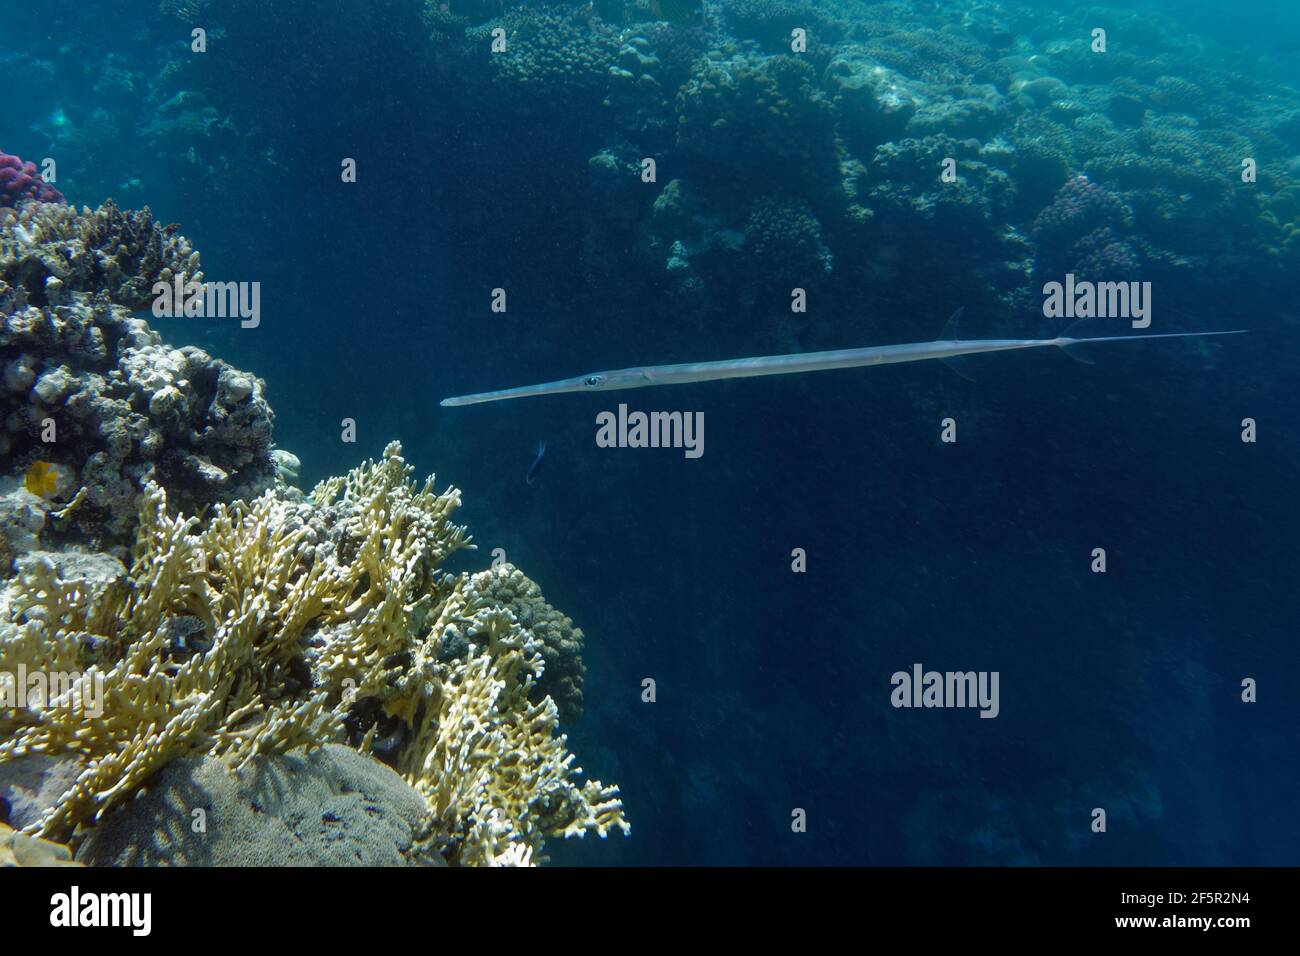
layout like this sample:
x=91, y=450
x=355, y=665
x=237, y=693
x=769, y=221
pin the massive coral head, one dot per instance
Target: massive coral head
x=20, y=181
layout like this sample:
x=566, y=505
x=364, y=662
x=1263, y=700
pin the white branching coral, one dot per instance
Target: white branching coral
x=278, y=624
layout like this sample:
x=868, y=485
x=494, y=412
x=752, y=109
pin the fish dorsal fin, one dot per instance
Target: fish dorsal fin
x=952, y=333
x=952, y=328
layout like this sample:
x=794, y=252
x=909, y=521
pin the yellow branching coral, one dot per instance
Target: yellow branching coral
x=488, y=759
x=141, y=699
x=278, y=623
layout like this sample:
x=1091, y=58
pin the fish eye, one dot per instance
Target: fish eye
x=593, y=381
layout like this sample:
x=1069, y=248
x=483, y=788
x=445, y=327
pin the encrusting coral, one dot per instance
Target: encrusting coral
x=281, y=622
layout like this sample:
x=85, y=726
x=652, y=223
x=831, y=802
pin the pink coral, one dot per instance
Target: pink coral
x=20, y=181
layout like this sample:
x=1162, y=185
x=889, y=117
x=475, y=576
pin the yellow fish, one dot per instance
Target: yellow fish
x=678, y=11
x=42, y=479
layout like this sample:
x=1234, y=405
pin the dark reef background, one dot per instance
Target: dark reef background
x=819, y=170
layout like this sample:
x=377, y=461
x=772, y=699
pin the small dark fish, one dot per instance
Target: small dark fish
x=185, y=638
x=390, y=743
x=536, y=466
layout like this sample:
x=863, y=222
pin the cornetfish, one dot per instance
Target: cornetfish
x=650, y=375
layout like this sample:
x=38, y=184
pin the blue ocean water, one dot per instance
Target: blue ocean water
x=1118, y=690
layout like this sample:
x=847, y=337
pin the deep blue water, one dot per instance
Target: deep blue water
x=1118, y=690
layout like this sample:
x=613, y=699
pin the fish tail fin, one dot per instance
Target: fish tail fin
x=952, y=333
x=1078, y=332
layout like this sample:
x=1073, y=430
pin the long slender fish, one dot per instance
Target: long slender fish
x=650, y=375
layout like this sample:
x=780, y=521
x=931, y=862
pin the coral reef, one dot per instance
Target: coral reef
x=280, y=623
x=785, y=239
x=272, y=623
x=765, y=113
x=874, y=102
x=49, y=251
x=561, y=642
x=1081, y=231
x=725, y=104
x=906, y=185
x=20, y=181
x=773, y=167
x=275, y=622
x=90, y=389
x=946, y=54
x=552, y=52
x=696, y=238
x=770, y=22
x=676, y=48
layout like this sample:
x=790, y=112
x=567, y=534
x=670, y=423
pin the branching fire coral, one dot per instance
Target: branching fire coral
x=560, y=641
x=280, y=623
